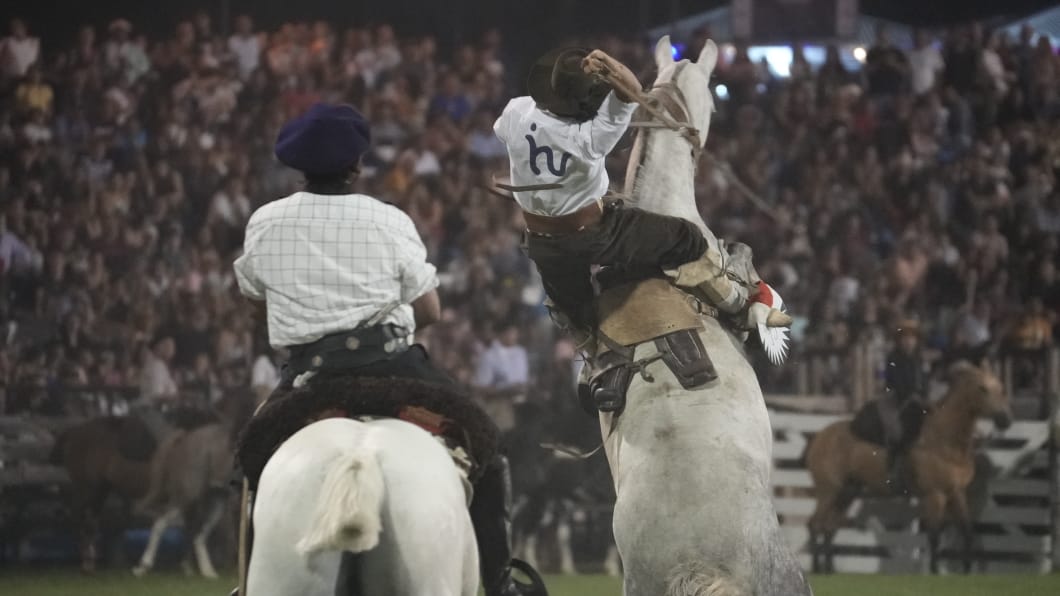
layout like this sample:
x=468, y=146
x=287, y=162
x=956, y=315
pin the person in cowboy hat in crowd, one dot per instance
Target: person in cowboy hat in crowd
x=557, y=141
x=335, y=269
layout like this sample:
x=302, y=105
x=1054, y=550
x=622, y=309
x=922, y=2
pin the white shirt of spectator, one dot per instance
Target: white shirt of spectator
x=156, y=382
x=925, y=64
x=247, y=50
x=263, y=375
x=995, y=69
x=18, y=54
x=325, y=263
x=502, y=366
x=233, y=210
x=543, y=149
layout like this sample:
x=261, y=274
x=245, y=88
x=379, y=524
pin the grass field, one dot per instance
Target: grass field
x=68, y=583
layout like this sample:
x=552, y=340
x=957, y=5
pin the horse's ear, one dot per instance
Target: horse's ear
x=708, y=57
x=664, y=53
x=959, y=368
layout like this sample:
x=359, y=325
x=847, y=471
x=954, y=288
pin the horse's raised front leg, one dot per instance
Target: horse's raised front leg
x=202, y=553
x=147, y=561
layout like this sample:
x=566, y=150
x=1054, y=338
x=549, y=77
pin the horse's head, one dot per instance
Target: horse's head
x=692, y=79
x=979, y=389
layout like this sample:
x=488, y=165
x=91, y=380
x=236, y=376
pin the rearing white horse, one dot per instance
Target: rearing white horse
x=694, y=514
x=385, y=489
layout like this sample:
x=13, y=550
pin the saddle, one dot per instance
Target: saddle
x=868, y=425
x=637, y=312
x=439, y=409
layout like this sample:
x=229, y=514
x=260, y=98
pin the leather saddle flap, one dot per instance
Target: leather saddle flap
x=638, y=312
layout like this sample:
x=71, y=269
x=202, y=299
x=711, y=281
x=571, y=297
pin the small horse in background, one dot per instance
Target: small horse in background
x=940, y=465
x=364, y=507
x=103, y=457
x=189, y=477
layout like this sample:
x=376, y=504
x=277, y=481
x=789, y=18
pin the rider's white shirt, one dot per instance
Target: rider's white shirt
x=325, y=263
x=543, y=149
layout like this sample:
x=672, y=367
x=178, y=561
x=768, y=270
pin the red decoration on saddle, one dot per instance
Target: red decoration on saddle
x=434, y=423
x=330, y=413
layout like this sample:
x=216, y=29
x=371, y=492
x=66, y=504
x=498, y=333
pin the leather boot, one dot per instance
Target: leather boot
x=706, y=278
x=491, y=517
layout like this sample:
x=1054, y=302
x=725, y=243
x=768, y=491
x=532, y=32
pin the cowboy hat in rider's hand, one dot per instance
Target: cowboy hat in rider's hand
x=599, y=63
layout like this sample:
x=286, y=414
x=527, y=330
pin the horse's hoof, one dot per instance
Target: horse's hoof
x=211, y=575
x=140, y=571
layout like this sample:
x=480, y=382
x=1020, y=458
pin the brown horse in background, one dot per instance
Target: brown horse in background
x=111, y=456
x=103, y=456
x=189, y=479
x=939, y=466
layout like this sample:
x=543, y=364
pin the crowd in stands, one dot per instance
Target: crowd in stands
x=922, y=186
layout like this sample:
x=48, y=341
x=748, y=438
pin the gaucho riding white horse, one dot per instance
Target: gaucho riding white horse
x=385, y=489
x=694, y=512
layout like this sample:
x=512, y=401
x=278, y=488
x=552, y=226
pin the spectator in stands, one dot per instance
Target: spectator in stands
x=245, y=45
x=925, y=63
x=886, y=67
x=156, y=381
x=124, y=194
x=18, y=51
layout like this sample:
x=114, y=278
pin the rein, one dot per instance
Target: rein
x=674, y=116
x=666, y=103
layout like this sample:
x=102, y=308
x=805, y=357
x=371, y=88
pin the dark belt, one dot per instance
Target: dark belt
x=349, y=349
x=564, y=224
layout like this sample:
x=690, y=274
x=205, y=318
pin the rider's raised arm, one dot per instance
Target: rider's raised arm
x=610, y=123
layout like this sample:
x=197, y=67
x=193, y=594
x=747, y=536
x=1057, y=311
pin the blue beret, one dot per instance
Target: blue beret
x=327, y=139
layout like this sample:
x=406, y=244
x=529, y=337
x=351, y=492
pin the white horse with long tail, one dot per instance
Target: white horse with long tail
x=386, y=491
x=694, y=514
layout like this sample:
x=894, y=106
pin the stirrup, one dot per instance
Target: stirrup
x=536, y=587
x=609, y=399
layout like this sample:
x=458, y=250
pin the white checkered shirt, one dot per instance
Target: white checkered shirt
x=325, y=263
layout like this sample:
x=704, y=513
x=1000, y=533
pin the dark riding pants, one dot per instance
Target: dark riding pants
x=624, y=236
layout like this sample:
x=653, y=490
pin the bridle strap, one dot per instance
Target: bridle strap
x=673, y=115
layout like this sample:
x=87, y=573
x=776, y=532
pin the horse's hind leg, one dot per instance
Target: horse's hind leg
x=202, y=553
x=563, y=540
x=90, y=510
x=147, y=561
x=959, y=510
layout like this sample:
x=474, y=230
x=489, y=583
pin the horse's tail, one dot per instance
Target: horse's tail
x=348, y=515
x=696, y=579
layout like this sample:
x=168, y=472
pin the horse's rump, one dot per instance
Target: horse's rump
x=437, y=408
